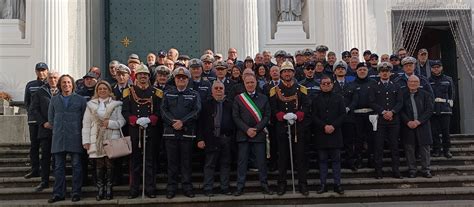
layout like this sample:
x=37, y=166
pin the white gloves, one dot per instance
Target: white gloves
x=290, y=117
x=451, y=103
x=143, y=121
x=374, y=119
x=347, y=110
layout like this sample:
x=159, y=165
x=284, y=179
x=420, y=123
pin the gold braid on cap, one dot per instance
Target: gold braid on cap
x=141, y=101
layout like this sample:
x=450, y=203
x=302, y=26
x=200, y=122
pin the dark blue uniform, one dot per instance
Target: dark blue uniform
x=30, y=89
x=386, y=96
x=185, y=106
x=424, y=83
x=203, y=87
x=443, y=89
x=209, y=76
x=361, y=111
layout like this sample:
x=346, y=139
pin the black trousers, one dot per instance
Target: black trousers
x=299, y=154
x=179, y=154
x=221, y=156
x=273, y=160
x=45, y=158
x=440, y=125
x=364, y=135
x=34, y=148
x=136, y=160
x=390, y=134
x=348, y=134
x=335, y=156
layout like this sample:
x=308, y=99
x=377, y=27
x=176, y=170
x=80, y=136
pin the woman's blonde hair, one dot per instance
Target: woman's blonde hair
x=109, y=87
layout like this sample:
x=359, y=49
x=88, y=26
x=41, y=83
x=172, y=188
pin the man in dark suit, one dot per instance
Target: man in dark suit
x=328, y=113
x=214, y=133
x=387, y=101
x=416, y=130
x=39, y=110
x=251, y=113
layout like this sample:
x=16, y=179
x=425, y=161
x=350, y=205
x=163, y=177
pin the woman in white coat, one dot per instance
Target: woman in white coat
x=102, y=120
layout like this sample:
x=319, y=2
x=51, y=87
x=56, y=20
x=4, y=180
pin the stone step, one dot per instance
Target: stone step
x=439, y=171
x=256, y=198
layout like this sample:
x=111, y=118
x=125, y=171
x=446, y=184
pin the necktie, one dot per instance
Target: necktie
x=341, y=84
x=413, y=104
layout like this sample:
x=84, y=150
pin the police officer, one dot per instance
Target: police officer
x=346, y=56
x=251, y=113
x=309, y=80
x=361, y=110
x=41, y=70
x=342, y=87
x=408, y=64
x=280, y=56
x=320, y=53
x=299, y=65
x=397, y=69
x=179, y=110
x=290, y=98
x=221, y=72
x=208, y=73
x=203, y=87
x=386, y=100
x=443, y=89
x=163, y=78
x=141, y=107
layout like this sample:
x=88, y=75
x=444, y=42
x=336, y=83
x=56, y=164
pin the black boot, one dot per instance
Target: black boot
x=435, y=153
x=108, y=187
x=100, y=173
x=447, y=153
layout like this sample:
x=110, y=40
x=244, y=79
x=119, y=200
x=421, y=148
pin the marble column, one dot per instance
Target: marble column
x=56, y=35
x=236, y=25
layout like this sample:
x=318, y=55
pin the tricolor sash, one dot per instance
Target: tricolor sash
x=251, y=106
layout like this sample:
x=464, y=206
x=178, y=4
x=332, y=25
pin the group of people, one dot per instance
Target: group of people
x=254, y=113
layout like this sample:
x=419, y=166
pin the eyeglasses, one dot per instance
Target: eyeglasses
x=346, y=56
x=219, y=88
x=309, y=68
x=326, y=83
x=181, y=77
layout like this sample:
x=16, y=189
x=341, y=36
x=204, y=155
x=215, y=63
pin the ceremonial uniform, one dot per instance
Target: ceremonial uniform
x=137, y=103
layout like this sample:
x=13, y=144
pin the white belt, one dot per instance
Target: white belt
x=440, y=100
x=362, y=111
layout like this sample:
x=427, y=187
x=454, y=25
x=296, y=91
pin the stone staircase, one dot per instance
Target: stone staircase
x=453, y=180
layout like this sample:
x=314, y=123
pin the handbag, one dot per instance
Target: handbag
x=120, y=147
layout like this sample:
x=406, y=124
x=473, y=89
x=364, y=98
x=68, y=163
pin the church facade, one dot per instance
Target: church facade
x=72, y=35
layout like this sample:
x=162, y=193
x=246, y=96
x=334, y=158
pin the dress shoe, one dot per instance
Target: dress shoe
x=338, y=189
x=208, y=193
x=55, y=199
x=427, y=175
x=41, y=187
x=226, y=192
x=150, y=195
x=436, y=153
x=396, y=175
x=266, y=190
x=378, y=174
x=304, y=190
x=353, y=167
x=448, y=154
x=189, y=194
x=412, y=175
x=75, y=198
x=322, y=189
x=132, y=195
x=170, y=194
x=31, y=175
x=239, y=192
x=281, y=189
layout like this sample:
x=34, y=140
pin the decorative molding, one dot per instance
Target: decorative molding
x=24, y=27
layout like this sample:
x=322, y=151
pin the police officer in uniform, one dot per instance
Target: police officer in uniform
x=141, y=107
x=203, y=87
x=208, y=72
x=309, y=81
x=221, y=72
x=180, y=109
x=408, y=64
x=361, y=105
x=41, y=70
x=386, y=100
x=163, y=78
x=290, y=97
x=443, y=89
x=342, y=87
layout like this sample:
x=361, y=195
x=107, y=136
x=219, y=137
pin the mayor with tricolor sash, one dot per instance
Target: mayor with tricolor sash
x=251, y=113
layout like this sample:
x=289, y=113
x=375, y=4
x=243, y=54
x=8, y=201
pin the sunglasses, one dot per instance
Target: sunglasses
x=310, y=69
x=219, y=88
x=326, y=83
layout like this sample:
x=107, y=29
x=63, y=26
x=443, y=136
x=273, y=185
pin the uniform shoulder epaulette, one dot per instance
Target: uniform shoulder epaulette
x=126, y=92
x=159, y=93
x=304, y=90
x=273, y=91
